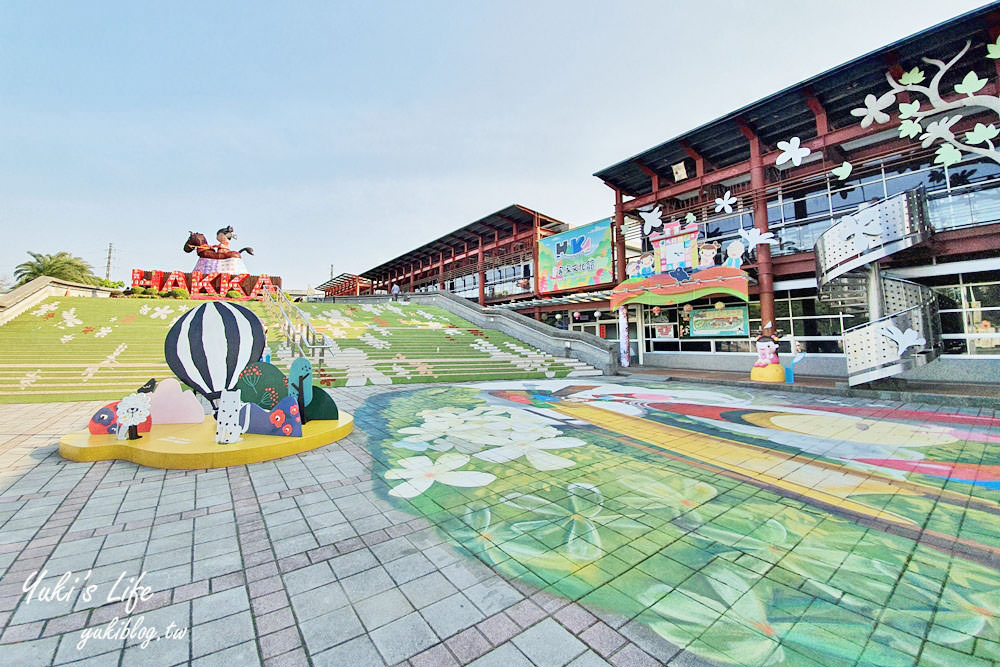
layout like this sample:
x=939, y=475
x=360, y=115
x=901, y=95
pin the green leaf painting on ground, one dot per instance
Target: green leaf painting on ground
x=912, y=77
x=970, y=85
x=722, y=566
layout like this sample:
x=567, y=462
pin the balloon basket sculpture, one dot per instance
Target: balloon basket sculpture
x=240, y=411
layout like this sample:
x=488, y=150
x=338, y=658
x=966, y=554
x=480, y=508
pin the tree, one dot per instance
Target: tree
x=60, y=265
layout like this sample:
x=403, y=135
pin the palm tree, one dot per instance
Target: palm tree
x=60, y=265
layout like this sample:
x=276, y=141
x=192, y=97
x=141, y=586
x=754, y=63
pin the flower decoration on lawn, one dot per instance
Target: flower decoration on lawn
x=791, y=151
x=45, y=308
x=65, y=339
x=69, y=319
x=161, y=312
x=420, y=473
x=144, y=309
x=102, y=332
x=726, y=202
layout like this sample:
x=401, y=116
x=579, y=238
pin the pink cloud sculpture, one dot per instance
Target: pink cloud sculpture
x=172, y=405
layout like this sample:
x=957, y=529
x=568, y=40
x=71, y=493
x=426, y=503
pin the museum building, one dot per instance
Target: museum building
x=919, y=116
x=898, y=145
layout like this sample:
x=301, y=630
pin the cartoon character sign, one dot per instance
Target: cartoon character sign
x=646, y=265
x=105, y=421
x=734, y=255
x=706, y=254
x=632, y=268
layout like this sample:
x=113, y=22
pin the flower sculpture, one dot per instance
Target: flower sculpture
x=726, y=202
x=791, y=151
x=420, y=473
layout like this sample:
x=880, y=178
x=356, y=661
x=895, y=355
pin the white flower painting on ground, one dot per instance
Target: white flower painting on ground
x=69, y=319
x=45, y=309
x=102, y=332
x=161, y=312
x=144, y=309
x=65, y=339
x=30, y=378
x=420, y=473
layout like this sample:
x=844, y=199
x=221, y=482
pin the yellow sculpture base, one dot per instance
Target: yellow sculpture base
x=771, y=373
x=193, y=446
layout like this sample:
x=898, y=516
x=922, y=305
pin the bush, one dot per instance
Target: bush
x=233, y=294
x=163, y=295
x=179, y=293
x=138, y=290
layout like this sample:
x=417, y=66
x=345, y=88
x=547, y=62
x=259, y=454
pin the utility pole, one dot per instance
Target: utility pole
x=331, y=272
x=107, y=270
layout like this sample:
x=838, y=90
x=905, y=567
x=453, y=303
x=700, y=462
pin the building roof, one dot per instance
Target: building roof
x=787, y=113
x=501, y=222
x=344, y=280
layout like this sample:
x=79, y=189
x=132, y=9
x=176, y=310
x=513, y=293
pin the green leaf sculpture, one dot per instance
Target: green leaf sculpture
x=981, y=134
x=321, y=406
x=690, y=217
x=263, y=384
x=913, y=77
x=993, y=50
x=300, y=384
x=947, y=155
x=908, y=110
x=970, y=85
x=843, y=171
x=909, y=128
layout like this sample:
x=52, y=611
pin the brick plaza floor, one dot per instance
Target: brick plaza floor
x=574, y=522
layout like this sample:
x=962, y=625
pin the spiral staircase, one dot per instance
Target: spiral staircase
x=903, y=328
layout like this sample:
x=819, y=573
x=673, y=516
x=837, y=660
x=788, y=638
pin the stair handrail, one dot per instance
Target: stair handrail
x=930, y=348
x=831, y=260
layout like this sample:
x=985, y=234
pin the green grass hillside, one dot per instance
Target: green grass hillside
x=80, y=348
x=397, y=343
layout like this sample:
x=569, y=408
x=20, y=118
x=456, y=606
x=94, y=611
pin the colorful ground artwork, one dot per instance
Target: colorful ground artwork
x=743, y=528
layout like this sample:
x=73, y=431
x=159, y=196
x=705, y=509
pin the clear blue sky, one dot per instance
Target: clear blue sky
x=348, y=133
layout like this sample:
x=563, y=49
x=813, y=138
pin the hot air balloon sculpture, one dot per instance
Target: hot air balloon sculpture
x=210, y=345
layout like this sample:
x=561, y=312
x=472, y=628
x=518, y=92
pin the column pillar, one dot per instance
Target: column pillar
x=481, y=273
x=765, y=271
x=619, y=237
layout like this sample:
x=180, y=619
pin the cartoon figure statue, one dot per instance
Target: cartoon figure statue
x=706, y=254
x=228, y=429
x=734, y=255
x=132, y=411
x=767, y=368
x=217, y=258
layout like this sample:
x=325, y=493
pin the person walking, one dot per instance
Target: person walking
x=395, y=292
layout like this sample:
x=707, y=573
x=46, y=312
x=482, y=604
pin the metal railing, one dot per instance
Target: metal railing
x=296, y=327
x=846, y=273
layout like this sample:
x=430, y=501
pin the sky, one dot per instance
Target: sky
x=334, y=136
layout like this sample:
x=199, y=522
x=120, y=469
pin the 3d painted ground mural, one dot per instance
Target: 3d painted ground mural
x=745, y=530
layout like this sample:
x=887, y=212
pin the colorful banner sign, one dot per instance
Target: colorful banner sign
x=577, y=258
x=665, y=289
x=732, y=322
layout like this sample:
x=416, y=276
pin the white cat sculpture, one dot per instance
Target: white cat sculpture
x=228, y=428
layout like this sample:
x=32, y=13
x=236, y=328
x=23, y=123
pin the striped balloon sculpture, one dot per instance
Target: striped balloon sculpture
x=210, y=345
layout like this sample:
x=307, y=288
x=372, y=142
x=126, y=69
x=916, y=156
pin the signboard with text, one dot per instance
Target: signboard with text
x=731, y=321
x=211, y=285
x=577, y=258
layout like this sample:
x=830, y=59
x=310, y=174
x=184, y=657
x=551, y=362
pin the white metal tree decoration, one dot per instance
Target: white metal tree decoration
x=978, y=141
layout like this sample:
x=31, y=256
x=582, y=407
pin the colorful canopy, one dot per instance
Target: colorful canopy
x=665, y=290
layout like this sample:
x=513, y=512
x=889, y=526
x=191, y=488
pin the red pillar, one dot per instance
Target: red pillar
x=534, y=252
x=441, y=271
x=765, y=272
x=482, y=273
x=619, y=237
x=412, y=278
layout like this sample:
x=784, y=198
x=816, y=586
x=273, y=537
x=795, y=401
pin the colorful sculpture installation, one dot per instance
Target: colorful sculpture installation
x=767, y=368
x=217, y=258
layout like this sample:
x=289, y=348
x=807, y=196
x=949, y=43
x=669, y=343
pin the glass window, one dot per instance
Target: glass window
x=984, y=296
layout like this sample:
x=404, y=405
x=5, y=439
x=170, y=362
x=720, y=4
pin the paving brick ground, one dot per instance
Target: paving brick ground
x=292, y=562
